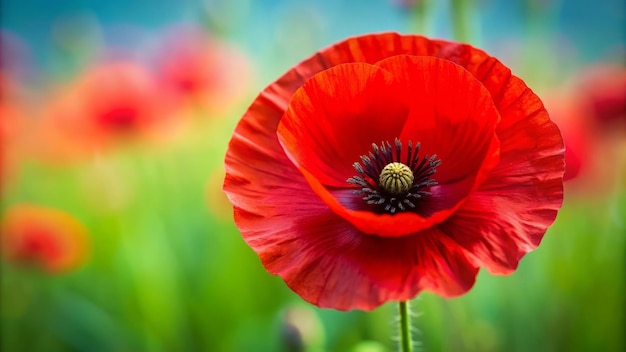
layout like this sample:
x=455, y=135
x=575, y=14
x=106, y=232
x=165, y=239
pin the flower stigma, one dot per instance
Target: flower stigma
x=396, y=178
x=390, y=185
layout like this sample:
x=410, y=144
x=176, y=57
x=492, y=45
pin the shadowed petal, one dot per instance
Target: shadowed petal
x=330, y=264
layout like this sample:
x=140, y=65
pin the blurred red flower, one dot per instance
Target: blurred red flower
x=47, y=237
x=108, y=104
x=591, y=113
x=385, y=165
x=201, y=69
x=13, y=126
x=601, y=89
x=578, y=135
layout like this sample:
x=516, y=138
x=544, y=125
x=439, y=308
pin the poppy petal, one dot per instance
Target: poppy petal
x=255, y=162
x=254, y=147
x=337, y=115
x=319, y=132
x=448, y=104
x=330, y=264
x=509, y=214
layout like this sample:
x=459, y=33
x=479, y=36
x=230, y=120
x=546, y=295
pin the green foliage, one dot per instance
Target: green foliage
x=169, y=272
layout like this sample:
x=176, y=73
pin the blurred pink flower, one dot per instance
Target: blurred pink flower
x=407, y=4
x=201, y=69
x=49, y=238
x=16, y=55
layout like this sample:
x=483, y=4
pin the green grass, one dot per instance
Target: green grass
x=170, y=272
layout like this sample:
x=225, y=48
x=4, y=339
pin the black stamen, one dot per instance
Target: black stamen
x=387, y=200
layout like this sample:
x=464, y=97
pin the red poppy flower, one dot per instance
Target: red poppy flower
x=386, y=165
x=43, y=236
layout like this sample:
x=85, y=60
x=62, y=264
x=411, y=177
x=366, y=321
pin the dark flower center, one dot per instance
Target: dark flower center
x=391, y=185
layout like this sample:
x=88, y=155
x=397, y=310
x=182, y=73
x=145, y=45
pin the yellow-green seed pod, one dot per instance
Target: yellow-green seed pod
x=396, y=178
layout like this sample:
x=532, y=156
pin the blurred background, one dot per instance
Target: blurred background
x=114, y=120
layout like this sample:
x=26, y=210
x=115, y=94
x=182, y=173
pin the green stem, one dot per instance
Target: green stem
x=406, y=343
